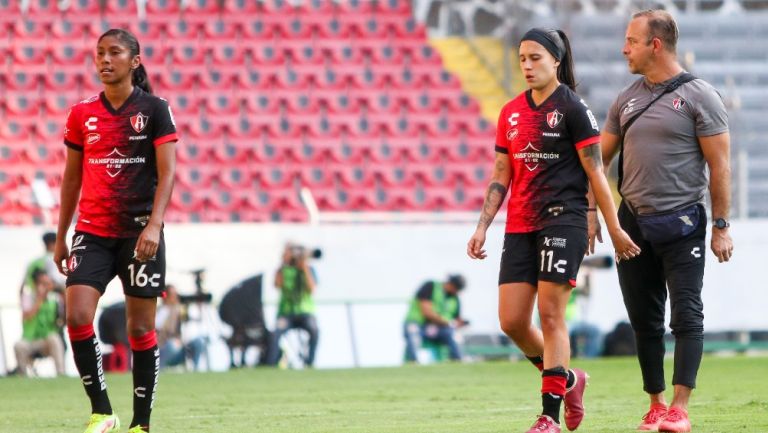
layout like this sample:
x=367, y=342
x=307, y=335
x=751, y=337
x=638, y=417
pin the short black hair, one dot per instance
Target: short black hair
x=49, y=238
x=458, y=281
x=37, y=273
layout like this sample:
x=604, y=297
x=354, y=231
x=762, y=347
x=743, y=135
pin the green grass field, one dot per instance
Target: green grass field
x=467, y=398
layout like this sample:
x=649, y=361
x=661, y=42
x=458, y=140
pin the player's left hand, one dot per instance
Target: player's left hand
x=147, y=243
x=722, y=245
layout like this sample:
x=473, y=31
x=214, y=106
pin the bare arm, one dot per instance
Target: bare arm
x=716, y=150
x=497, y=190
x=146, y=245
x=279, y=278
x=70, y=194
x=494, y=197
x=430, y=314
x=592, y=161
x=609, y=144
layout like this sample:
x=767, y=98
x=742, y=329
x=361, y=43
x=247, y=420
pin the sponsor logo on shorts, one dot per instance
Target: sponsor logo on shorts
x=555, y=242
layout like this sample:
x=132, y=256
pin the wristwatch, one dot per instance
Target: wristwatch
x=720, y=223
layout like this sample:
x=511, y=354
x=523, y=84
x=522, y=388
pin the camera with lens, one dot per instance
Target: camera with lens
x=200, y=296
x=299, y=253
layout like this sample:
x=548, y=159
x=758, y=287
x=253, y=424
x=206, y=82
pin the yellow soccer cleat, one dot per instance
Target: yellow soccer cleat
x=137, y=429
x=100, y=423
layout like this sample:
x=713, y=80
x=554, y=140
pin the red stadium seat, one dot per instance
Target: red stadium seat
x=241, y=7
x=22, y=104
x=184, y=30
x=257, y=30
x=58, y=104
x=339, y=51
x=28, y=28
x=202, y=7
x=66, y=29
x=162, y=7
x=187, y=52
x=71, y=53
x=193, y=151
x=224, y=52
x=220, y=29
x=125, y=8
x=148, y=32
x=31, y=51
x=25, y=77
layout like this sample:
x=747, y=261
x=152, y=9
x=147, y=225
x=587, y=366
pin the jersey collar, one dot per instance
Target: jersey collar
x=533, y=105
x=108, y=106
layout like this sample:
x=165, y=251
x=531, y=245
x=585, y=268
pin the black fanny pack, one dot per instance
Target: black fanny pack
x=669, y=226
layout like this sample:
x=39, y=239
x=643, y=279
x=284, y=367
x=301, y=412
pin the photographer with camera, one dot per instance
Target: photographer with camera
x=434, y=314
x=296, y=281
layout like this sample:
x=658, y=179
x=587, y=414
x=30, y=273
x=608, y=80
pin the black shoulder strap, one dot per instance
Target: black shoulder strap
x=671, y=87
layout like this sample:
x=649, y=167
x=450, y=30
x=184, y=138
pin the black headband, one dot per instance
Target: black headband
x=549, y=39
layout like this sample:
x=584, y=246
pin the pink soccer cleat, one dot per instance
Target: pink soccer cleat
x=574, y=400
x=544, y=424
x=676, y=421
x=653, y=418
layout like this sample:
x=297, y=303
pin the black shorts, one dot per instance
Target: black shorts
x=551, y=254
x=94, y=261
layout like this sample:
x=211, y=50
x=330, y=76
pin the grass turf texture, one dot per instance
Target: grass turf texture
x=468, y=398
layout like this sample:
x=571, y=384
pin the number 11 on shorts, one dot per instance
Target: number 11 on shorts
x=547, y=257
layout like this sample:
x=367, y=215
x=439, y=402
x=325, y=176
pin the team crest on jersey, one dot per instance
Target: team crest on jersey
x=511, y=134
x=554, y=118
x=139, y=122
x=678, y=103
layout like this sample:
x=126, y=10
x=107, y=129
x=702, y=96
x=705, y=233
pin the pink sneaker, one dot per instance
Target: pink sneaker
x=574, y=400
x=676, y=421
x=544, y=424
x=653, y=418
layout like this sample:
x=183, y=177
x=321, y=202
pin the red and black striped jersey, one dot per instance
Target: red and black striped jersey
x=548, y=185
x=119, y=163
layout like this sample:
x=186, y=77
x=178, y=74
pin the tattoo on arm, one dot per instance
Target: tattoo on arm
x=594, y=155
x=493, y=199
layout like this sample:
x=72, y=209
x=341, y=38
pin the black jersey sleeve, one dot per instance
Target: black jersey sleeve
x=425, y=291
x=582, y=125
x=164, y=126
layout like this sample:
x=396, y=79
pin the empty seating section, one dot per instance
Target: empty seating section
x=345, y=98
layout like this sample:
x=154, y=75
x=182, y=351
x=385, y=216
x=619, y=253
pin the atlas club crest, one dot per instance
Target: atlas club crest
x=678, y=103
x=139, y=122
x=554, y=118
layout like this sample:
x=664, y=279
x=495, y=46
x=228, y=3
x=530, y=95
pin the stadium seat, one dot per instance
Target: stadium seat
x=255, y=29
x=241, y=7
x=71, y=53
x=25, y=77
x=223, y=52
x=29, y=28
x=68, y=30
x=219, y=29
x=147, y=31
x=21, y=104
x=125, y=8
x=202, y=7
x=162, y=7
x=191, y=150
x=57, y=104
x=30, y=51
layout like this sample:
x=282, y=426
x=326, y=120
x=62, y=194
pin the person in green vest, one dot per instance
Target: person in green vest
x=296, y=281
x=40, y=331
x=45, y=263
x=433, y=315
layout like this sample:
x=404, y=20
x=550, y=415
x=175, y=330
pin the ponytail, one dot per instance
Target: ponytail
x=565, y=72
x=141, y=80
